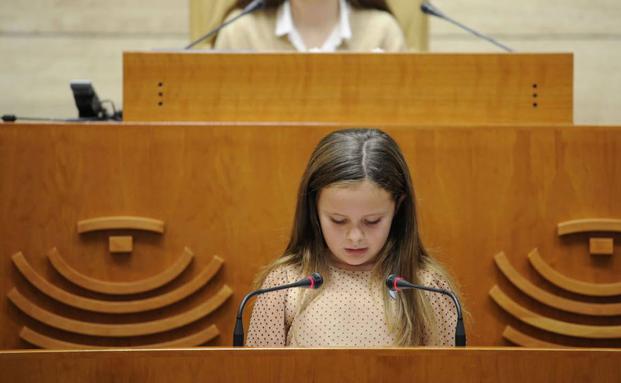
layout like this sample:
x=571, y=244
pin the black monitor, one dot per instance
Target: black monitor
x=86, y=100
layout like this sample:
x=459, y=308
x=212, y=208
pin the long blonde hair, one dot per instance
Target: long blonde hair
x=354, y=155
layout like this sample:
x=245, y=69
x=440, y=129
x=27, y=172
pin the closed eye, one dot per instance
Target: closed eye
x=337, y=221
x=373, y=222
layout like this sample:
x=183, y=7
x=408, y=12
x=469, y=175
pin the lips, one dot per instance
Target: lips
x=358, y=251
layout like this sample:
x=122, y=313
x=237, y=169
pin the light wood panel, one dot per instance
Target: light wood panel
x=315, y=365
x=115, y=307
x=558, y=302
x=368, y=89
x=589, y=225
x=601, y=246
x=118, y=330
x=110, y=223
x=121, y=244
x=519, y=338
x=44, y=341
x=571, y=284
x=229, y=189
x=552, y=325
x=528, y=18
x=120, y=288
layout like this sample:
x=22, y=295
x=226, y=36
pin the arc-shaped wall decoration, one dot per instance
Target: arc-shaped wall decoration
x=119, y=300
x=589, y=225
x=119, y=330
x=570, y=284
x=553, y=325
x=121, y=222
x=568, y=305
x=521, y=339
x=124, y=243
x=116, y=307
x=37, y=339
x=120, y=288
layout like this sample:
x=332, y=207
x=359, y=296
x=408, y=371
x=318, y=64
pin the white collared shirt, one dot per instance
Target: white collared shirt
x=285, y=26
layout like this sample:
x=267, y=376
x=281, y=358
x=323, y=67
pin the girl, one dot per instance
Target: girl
x=314, y=25
x=355, y=223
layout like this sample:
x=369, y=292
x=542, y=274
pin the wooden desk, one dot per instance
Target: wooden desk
x=357, y=88
x=478, y=365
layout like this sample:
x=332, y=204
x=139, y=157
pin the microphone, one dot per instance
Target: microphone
x=253, y=6
x=313, y=281
x=429, y=9
x=395, y=283
x=13, y=118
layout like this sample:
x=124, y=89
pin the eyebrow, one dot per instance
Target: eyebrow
x=364, y=216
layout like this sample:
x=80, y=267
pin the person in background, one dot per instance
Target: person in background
x=313, y=25
x=355, y=223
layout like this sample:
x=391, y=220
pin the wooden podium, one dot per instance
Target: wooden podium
x=357, y=88
x=469, y=365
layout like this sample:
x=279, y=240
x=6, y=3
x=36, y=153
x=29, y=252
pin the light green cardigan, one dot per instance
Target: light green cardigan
x=371, y=29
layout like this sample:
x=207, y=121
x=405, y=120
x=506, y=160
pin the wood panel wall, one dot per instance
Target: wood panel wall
x=229, y=190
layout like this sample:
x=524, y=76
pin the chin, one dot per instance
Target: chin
x=357, y=261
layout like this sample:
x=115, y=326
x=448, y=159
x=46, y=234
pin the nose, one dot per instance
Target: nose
x=355, y=235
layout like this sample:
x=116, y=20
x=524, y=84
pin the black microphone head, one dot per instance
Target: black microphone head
x=429, y=9
x=390, y=282
x=316, y=280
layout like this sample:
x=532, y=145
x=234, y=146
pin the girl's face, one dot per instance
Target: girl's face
x=355, y=221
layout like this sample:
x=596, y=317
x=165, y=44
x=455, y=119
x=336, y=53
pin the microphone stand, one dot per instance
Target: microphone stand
x=394, y=283
x=313, y=281
x=429, y=9
x=256, y=4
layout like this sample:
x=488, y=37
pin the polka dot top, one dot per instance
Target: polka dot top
x=347, y=312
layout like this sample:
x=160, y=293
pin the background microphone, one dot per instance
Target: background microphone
x=13, y=118
x=253, y=6
x=395, y=283
x=313, y=281
x=429, y=9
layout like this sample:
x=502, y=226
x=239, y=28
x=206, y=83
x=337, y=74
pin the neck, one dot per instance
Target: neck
x=346, y=266
x=315, y=14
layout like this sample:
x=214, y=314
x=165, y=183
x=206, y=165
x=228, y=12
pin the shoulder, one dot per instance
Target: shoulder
x=378, y=26
x=377, y=17
x=433, y=279
x=281, y=275
x=251, y=22
x=241, y=33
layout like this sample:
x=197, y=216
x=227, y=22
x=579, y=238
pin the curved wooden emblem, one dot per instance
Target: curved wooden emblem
x=552, y=325
x=192, y=340
x=589, y=225
x=115, y=307
x=570, y=284
x=569, y=305
x=120, y=288
x=121, y=222
x=521, y=339
x=119, y=330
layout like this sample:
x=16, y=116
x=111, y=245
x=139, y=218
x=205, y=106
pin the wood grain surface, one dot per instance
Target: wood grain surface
x=363, y=88
x=481, y=365
x=229, y=189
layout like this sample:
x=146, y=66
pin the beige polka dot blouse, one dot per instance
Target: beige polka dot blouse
x=346, y=313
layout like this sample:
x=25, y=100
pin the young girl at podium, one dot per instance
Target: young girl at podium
x=355, y=223
x=313, y=25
